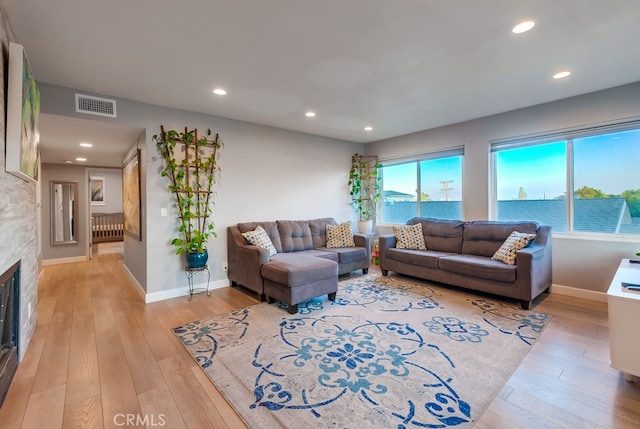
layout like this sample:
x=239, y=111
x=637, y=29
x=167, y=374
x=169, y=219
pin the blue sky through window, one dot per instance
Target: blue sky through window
x=540, y=170
x=607, y=162
x=403, y=177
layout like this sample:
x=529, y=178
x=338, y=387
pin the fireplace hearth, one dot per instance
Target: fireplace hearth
x=9, y=315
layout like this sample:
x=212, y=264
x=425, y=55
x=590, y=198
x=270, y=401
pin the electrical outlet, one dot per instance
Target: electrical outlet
x=225, y=266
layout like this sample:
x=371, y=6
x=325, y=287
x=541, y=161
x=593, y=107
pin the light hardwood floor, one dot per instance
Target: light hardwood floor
x=99, y=354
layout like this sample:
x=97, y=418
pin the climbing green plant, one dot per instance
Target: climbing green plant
x=191, y=164
x=365, y=185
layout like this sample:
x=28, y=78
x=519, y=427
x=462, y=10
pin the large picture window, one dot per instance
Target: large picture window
x=582, y=181
x=428, y=186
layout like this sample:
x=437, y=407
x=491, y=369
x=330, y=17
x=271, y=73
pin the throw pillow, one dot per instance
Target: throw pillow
x=516, y=241
x=340, y=235
x=409, y=237
x=259, y=237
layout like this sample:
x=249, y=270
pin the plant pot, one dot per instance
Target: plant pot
x=365, y=226
x=197, y=259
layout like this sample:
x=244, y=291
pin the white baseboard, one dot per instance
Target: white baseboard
x=183, y=291
x=138, y=286
x=217, y=284
x=64, y=260
x=172, y=293
x=591, y=295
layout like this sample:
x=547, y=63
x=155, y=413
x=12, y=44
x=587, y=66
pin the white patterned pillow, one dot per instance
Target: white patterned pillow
x=259, y=237
x=409, y=237
x=340, y=235
x=516, y=241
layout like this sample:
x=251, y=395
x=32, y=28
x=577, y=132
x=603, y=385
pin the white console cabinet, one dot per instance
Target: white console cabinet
x=624, y=320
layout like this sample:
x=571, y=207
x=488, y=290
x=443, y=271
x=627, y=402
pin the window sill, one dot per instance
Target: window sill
x=593, y=236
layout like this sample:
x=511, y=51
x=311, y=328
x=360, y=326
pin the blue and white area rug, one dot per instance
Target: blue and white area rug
x=387, y=353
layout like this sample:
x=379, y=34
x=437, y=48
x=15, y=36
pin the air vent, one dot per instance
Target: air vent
x=95, y=105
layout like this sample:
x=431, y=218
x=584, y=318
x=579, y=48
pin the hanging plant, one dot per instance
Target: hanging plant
x=191, y=164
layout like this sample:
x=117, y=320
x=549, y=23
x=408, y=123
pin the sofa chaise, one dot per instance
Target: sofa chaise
x=460, y=253
x=298, y=265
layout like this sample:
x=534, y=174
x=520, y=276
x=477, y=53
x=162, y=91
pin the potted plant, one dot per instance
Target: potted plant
x=365, y=189
x=191, y=164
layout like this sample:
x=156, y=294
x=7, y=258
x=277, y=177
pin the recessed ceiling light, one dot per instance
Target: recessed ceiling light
x=562, y=74
x=219, y=91
x=81, y=159
x=523, y=27
x=368, y=128
x=310, y=114
x=68, y=161
x=86, y=145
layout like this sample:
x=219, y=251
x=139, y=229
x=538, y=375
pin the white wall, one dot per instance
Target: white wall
x=267, y=174
x=577, y=262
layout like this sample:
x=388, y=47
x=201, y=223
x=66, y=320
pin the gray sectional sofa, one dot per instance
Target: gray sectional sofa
x=302, y=268
x=459, y=253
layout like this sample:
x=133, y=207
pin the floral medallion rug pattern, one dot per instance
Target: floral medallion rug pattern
x=387, y=353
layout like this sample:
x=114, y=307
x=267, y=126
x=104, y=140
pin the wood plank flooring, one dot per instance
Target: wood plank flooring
x=101, y=358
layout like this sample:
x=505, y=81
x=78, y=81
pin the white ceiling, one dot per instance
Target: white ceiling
x=399, y=66
x=61, y=137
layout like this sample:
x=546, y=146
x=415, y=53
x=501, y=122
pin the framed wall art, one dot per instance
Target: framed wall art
x=97, y=190
x=23, y=112
x=131, y=196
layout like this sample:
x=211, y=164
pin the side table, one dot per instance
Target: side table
x=191, y=272
x=624, y=320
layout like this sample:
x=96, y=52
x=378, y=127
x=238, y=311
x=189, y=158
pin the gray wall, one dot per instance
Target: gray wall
x=113, y=189
x=578, y=261
x=267, y=174
x=135, y=248
x=18, y=216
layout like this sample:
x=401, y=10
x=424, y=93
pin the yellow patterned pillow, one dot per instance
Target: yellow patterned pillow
x=340, y=235
x=409, y=237
x=259, y=237
x=516, y=241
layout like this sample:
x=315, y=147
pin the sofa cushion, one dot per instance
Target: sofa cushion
x=293, y=269
x=318, y=229
x=258, y=237
x=295, y=235
x=425, y=258
x=441, y=235
x=270, y=227
x=479, y=266
x=340, y=235
x=484, y=238
x=347, y=255
x=409, y=237
x=321, y=252
x=509, y=249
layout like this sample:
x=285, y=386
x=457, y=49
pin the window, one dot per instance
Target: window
x=531, y=184
x=399, y=184
x=583, y=181
x=428, y=186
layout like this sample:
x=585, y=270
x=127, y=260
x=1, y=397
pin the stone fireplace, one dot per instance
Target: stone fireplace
x=9, y=315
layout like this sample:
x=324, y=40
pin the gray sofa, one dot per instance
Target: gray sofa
x=303, y=267
x=459, y=253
